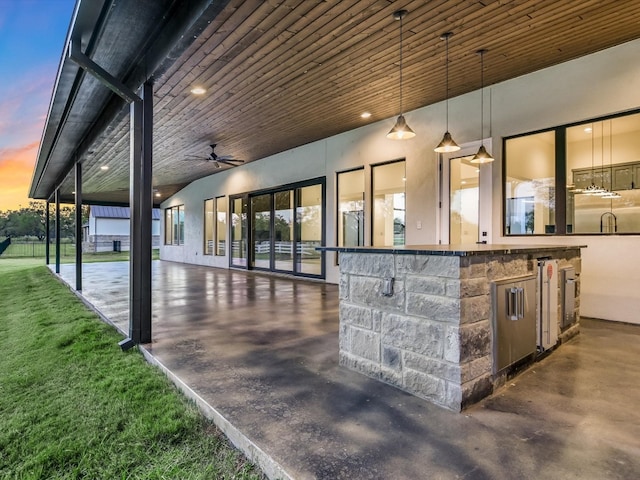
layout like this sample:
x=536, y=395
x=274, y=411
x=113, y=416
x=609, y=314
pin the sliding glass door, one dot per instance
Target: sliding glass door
x=283, y=231
x=282, y=228
x=309, y=220
x=261, y=244
x=239, y=231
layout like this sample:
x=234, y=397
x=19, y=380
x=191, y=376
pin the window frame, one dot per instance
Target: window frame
x=216, y=230
x=205, y=230
x=364, y=204
x=372, y=198
x=560, y=178
x=171, y=237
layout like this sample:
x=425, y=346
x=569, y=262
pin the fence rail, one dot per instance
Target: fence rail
x=37, y=250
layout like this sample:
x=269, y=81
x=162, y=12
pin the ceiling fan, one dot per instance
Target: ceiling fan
x=216, y=159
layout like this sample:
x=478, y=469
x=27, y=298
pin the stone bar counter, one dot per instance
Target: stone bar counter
x=420, y=317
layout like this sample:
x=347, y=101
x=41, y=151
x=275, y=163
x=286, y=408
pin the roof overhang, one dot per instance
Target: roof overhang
x=132, y=41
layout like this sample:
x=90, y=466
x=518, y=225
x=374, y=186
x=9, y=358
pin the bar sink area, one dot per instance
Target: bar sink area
x=451, y=323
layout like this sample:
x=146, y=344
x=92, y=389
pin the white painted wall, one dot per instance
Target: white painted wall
x=112, y=226
x=116, y=226
x=603, y=83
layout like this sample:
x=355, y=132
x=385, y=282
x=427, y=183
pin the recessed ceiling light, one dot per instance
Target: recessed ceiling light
x=198, y=90
x=365, y=114
x=588, y=130
x=158, y=194
x=104, y=168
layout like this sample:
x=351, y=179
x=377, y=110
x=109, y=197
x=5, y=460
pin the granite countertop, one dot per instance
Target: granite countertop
x=454, y=250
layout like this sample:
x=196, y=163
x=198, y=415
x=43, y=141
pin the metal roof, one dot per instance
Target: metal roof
x=104, y=211
x=282, y=74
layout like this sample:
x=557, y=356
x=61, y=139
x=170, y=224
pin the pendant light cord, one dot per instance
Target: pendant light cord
x=592, y=155
x=447, y=75
x=481, y=97
x=401, y=16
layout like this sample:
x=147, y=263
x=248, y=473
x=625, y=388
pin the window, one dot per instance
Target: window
x=389, y=204
x=464, y=200
x=174, y=225
x=221, y=226
x=310, y=221
x=239, y=207
x=603, y=173
x=351, y=208
x=279, y=229
x=577, y=179
x=530, y=184
x=168, y=221
x=208, y=227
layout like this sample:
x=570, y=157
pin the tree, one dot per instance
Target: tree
x=31, y=221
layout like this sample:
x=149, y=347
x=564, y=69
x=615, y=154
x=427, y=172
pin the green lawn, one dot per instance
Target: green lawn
x=73, y=405
x=67, y=253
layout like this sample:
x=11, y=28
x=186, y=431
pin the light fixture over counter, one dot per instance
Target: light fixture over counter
x=482, y=156
x=400, y=131
x=447, y=144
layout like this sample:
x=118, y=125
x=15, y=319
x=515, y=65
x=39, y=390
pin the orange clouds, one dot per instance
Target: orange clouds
x=23, y=106
x=16, y=167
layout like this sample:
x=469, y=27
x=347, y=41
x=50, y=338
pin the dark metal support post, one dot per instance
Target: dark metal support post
x=58, y=230
x=141, y=209
x=78, y=226
x=47, y=234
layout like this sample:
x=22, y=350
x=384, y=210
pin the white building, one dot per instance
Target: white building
x=108, y=229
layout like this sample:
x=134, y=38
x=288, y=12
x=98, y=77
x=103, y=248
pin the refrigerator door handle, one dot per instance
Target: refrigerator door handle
x=520, y=303
x=512, y=303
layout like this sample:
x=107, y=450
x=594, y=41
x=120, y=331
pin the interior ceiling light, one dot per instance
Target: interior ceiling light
x=198, y=90
x=104, y=168
x=482, y=156
x=400, y=131
x=365, y=114
x=447, y=144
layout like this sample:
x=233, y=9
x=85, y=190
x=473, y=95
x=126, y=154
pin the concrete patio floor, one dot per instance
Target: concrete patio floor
x=259, y=355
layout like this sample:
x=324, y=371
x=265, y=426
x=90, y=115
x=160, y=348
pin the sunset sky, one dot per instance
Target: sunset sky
x=32, y=35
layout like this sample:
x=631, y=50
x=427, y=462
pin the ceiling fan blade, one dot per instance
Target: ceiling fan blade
x=229, y=160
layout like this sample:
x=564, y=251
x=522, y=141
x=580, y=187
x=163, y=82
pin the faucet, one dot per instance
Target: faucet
x=609, y=216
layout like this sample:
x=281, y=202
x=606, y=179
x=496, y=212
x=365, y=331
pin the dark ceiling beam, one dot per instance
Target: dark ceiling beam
x=108, y=80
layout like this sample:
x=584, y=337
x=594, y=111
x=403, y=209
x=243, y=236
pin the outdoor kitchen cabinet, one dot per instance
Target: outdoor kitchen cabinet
x=514, y=320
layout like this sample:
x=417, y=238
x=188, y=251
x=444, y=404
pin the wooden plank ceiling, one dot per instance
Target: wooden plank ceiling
x=284, y=73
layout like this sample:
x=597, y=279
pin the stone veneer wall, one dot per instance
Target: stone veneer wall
x=432, y=337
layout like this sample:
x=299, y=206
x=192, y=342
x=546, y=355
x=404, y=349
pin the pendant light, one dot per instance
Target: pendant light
x=611, y=193
x=447, y=144
x=482, y=156
x=400, y=131
x=592, y=189
x=603, y=190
